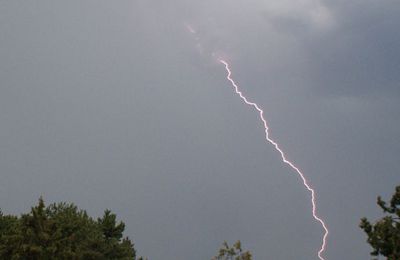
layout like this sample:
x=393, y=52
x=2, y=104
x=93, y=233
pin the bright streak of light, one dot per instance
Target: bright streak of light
x=190, y=28
x=283, y=156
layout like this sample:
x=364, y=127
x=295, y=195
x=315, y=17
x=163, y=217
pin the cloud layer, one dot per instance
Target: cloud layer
x=117, y=105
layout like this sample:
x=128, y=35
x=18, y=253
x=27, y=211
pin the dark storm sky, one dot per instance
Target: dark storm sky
x=113, y=104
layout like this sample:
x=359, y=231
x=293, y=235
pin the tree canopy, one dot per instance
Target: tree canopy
x=234, y=252
x=62, y=231
x=384, y=234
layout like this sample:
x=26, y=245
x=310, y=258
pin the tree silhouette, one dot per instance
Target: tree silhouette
x=384, y=234
x=235, y=252
x=62, y=231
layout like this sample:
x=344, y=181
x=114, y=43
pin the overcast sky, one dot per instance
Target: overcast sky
x=115, y=104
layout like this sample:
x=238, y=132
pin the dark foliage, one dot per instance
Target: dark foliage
x=384, y=234
x=62, y=231
x=235, y=252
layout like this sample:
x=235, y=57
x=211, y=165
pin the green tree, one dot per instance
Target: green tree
x=116, y=246
x=62, y=231
x=235, y=252
x=384, y=234
x=9, y=237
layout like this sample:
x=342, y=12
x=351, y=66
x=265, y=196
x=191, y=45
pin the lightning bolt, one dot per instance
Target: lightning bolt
x=283, y=156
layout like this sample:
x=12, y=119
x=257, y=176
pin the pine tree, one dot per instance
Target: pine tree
x=384, y=234
x=62, y=231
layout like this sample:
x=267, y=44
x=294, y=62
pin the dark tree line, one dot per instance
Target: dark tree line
x=62, y=231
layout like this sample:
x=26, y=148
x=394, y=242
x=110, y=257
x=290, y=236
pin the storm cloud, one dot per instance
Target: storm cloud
x=114, y=104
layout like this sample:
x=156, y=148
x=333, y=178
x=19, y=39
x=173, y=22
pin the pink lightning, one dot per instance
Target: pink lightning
x=283, y=156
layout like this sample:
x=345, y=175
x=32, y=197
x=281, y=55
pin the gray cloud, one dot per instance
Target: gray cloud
x=360, y=57
x=112, y=105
